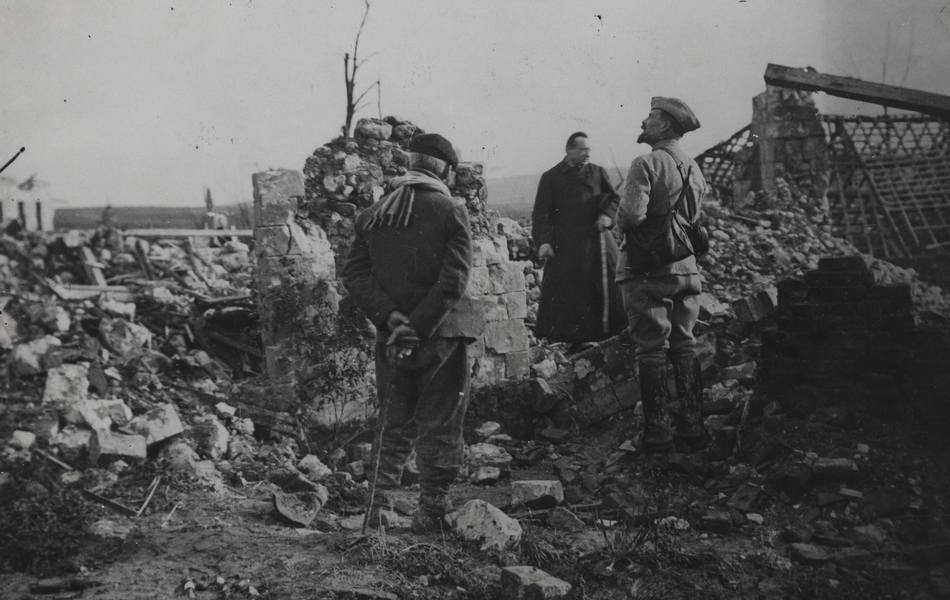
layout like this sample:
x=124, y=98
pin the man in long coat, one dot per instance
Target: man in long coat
x=408, y=270
x=573, y=213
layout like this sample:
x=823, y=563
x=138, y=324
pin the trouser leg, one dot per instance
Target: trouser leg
x=439, y=415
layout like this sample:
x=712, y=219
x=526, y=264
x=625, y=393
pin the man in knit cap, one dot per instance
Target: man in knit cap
x=408, y=270
x=661, y=297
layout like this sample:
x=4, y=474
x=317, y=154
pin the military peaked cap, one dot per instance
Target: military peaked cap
x=433, y=144
x=677, y=109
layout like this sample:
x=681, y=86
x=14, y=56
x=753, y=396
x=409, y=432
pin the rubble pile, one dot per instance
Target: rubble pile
x=345, y=176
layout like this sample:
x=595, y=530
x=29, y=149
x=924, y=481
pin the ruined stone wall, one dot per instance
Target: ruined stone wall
x=789, y=142
x=345, y=176
x=842, y=336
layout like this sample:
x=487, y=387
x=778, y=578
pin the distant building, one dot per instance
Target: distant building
x=29, y=202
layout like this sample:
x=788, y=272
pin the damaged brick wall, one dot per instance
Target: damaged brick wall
x=842, y=335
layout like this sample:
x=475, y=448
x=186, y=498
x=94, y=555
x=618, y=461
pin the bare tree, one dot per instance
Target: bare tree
x=350, y=66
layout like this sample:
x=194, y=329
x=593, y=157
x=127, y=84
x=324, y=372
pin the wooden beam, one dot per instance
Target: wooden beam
x=856, y=89
x=170, y=233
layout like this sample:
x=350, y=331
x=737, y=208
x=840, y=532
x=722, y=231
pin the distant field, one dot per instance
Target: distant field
x=149, y=217
x=512, y=197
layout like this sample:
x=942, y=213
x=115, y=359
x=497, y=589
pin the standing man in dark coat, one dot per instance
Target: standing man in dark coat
x=408, y=270
x=662, y=302
x=573, y=213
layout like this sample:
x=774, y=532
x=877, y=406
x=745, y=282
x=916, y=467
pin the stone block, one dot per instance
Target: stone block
x=73, y=443
x=22, y=440
x=743, y=372
x=715, y=522
x=485, y=476
x=517, y=304
x=489, y=251
x=479, y=521
x=479, y=282
x=66, y=384
x=493, y=307
x=106, y=446
x=531, y=583
x=275, y=195
x=487, y=455
x=562, y=519
x=158, y=424
x=837, y=264
x=543, y=397
x=834, y=468
x=33, y=358
x=97, y=414
x=709, y=306
x=517, y=364
x=210, y=436
x=808, y=554
x=123, y=337
x=503, y=337
x=488, y=429
x=274, y=241
x=537, y=494
x=758, y=306
x=373, y=129
x=507, y=277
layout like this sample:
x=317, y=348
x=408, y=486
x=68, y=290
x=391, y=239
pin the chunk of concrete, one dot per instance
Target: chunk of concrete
x=73, y=443
x=291, y=481
x=123, y=337
x=537, y=494
x=66, y=384
x=486, y=476
x=158, y=424
x=22, y=440
x=531, y=583
x=487, y=455
x=106, y=446
x=743, y=372
x=488, y=429
x=97, y=414
x=478, y=520
x=834, y=468
x=210, y=436
x=33, y=358
x=809, y=554
x=314, y=468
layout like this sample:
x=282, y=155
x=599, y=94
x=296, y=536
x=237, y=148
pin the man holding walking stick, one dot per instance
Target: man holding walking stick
x=408, y=270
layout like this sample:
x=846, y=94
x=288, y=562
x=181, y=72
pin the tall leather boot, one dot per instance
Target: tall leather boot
x=654, y=393
x=689, y=389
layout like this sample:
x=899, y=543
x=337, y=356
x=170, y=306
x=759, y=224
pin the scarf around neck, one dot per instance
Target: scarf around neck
x=396, y=209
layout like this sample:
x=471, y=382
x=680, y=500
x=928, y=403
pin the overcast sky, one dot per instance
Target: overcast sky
x=146, y=103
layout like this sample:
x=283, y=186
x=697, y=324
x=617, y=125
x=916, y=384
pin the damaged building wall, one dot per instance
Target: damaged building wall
x=318, y=348
x=28, y=202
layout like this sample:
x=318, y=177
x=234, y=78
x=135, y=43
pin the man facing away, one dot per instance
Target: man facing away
x=573, y=211
x=408, y=270
x=662, y=303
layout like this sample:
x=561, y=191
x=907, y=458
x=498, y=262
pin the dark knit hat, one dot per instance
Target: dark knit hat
x=677, y=109
x=433, y=144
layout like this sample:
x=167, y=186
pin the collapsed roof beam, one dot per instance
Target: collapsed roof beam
x=856, y=89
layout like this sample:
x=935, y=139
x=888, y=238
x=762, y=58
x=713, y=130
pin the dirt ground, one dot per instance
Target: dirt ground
x=650, y=537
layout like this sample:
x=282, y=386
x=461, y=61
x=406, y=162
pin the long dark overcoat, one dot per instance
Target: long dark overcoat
x=566, y=208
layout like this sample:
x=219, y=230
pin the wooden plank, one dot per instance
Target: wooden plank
x=171, y=233
x=92, y=267
x=856, y=89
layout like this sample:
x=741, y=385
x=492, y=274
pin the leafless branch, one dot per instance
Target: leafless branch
x=349, y=73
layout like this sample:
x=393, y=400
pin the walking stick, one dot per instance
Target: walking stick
x=383, y=409
x=9, y=162
x=605, y=321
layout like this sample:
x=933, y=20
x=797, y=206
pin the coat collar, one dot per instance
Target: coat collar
x=563, y=168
